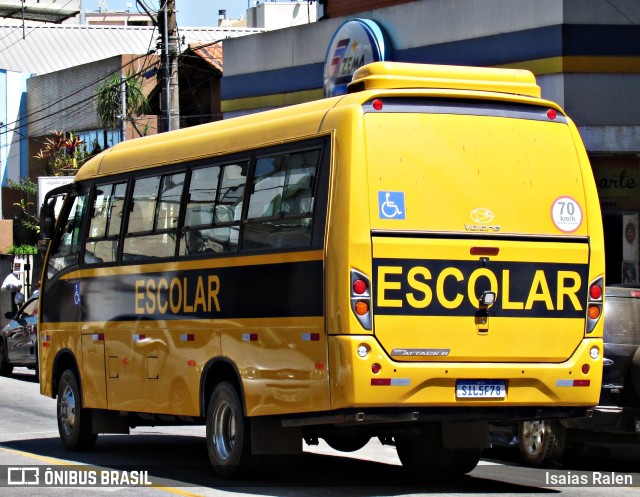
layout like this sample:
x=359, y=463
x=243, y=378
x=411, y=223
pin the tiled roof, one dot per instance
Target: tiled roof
x=209, y=53
x=46, y=48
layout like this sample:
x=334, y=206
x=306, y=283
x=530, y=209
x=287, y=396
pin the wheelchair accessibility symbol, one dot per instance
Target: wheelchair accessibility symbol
x=76, y=294
x=391, y=205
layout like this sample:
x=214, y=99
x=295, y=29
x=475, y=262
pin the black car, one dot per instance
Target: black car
x=19, y=338
x=617, y=416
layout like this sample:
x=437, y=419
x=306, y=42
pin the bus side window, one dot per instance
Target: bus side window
x=66, y=248
x=215, y=194
x=153, y=220
x=281, y=202
x=104, y=229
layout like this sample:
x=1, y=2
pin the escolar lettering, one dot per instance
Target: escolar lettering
x=177, y=295
x=449, y=288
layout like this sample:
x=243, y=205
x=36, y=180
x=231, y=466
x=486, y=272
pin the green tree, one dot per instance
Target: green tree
x=26, y=222
x=109, y=106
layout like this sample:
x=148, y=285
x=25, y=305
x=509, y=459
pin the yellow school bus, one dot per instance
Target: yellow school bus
x=408, y=261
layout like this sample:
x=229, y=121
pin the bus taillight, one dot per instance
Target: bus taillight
x=594, y=308
x=361, y=298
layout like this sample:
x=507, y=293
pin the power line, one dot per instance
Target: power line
x=49, y=104
x=79, y=102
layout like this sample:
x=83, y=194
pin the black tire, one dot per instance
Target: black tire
x=542, y=443
x=74, y=421
x=228, y=433
x=423, y=455
x=635, y=372
x=347, y=442
x=5, y=368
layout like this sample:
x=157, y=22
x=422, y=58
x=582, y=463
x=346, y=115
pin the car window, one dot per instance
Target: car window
x=622, y=320
x=29, y=309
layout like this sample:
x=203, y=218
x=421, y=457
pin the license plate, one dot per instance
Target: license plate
x=481, y=389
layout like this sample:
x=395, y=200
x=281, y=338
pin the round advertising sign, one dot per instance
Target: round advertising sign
x=355, y=43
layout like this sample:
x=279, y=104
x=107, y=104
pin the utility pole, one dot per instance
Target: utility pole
x=123, y=107
x=169, y=65
x=165, y=21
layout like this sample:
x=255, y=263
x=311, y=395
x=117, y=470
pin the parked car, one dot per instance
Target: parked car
x=617, y=416
x=19, y=338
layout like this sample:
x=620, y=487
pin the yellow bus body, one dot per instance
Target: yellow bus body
x=449, y=144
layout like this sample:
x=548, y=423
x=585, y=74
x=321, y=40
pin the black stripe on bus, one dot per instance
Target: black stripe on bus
x=433, y=287
x=293, y=289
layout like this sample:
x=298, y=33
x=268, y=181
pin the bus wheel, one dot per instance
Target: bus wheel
x=347, y=443
x=228, y=434
x=423, y=455
x=5, y=368
x=74, y=421
x=541, y=443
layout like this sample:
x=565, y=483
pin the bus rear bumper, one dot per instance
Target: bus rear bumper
x=377, y=381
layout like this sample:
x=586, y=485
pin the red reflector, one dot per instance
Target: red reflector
x=191, y=362
x=319, y=365
x=377, y=104
x=375, y=368
x=377, y=382
x=484, y=251
x=635, y=294
x=359, y=287
x=552, y=114
x=581, y=383
x=595, y=292
x=585, y=368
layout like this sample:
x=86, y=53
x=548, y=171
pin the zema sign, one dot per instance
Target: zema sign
x=356, y=42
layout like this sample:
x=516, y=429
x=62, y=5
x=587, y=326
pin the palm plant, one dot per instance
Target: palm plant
x=109, y=103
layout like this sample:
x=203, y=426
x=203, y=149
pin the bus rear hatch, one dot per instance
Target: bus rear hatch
x=476, y=199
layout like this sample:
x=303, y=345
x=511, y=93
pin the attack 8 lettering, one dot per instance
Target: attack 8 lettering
x=453, y=287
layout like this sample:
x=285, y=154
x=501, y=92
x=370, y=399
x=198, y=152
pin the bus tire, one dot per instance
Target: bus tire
x=542, y=443
x=423, y=454
x=5, y=368
x=74, y=421
x=228, y=432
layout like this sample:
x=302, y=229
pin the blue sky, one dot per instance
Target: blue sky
x=196, y=13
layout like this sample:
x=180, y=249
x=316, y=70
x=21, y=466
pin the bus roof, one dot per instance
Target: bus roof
x=305, y=120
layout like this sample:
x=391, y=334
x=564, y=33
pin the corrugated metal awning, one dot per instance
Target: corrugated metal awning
x=44, y=48
x=46, y=12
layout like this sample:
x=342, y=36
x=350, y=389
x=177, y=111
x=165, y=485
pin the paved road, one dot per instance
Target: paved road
x=175, y=460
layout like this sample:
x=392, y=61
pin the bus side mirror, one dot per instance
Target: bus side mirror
x=47, y=222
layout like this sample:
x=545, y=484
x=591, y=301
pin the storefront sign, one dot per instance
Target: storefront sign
x=356, y=42
x=618, y=182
